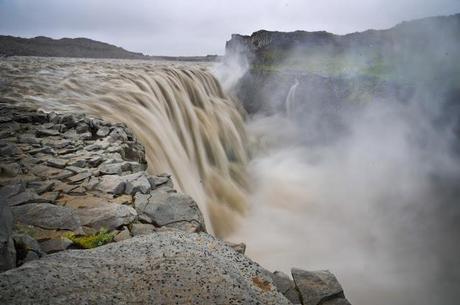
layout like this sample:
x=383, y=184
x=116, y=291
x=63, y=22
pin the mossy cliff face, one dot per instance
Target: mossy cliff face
x=416, y=59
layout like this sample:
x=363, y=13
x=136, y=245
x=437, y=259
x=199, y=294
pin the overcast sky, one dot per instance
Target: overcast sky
x=192, y=27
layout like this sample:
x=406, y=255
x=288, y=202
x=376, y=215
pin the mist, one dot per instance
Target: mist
x=368, y=190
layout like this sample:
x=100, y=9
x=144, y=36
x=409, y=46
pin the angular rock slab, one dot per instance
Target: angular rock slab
x=166, y=267
x=317, y=287
x=47, y=216
x=106, y=215
x=170, y=209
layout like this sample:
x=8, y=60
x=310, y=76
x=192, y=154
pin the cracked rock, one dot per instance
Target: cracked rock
x=165, y=208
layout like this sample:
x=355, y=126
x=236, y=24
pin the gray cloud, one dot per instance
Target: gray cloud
x=189, y=27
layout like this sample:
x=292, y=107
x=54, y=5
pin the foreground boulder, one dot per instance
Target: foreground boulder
x=166, y=267
x=318, y=287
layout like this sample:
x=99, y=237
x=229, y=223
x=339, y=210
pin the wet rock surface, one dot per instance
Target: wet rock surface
x=68, y=181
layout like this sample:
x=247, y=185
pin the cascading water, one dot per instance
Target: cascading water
x=188, y=125
x=290, y=100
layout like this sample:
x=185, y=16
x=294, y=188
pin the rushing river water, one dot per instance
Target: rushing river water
x=188, y=125
x=357, y=207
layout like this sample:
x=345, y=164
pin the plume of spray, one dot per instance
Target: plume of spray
x=376, y=202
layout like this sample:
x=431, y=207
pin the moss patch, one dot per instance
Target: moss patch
x=91, y=241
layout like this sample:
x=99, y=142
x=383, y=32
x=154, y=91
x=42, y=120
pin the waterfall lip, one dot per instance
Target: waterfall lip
x=188, y=124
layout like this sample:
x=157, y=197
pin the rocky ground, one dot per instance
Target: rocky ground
x=78, y=186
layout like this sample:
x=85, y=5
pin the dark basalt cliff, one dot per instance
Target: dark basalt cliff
x=330, y=75
x=269, y=46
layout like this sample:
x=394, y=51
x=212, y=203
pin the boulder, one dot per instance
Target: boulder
x=111, y=168
x=47, y=133
x=317, y=287
x=170, y=209
x=27, y=248
x=137, y=182
x=47, y=216
x=286, y=286
x=112, y=184
x=142, y=229
x=55, y=245
x=23, y=197
x=107, y=215
x=166, y=267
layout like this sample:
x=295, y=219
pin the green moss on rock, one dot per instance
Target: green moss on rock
x=91, y=241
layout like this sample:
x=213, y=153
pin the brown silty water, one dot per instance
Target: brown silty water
x=190, y=128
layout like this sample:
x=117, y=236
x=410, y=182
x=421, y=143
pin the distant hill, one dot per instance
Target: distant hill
x=79, y=48
x=65, y=47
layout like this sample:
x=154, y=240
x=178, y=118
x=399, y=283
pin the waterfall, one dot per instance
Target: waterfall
x=188, y=125
x=290, y=100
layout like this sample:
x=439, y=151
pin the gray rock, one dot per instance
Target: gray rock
x=169, y=267
x=9, y=149
x=111, y=184
x=50, y=197
x=63, y=174
x=165, y=208
x=69, y=120
x=95, y=161
x=55, y=245
x=86, y=136
x=136, y=167
x=103, y=131
x=27, y=248
x=142, y=229
x=47, y=133
x=57, y=143
x=118, y=134
x=28, y=139
x=7, y=133
x=41, y=187
x=315, y=287
x=107, y=215
x=44, y=150
x=122, y=235
x=30, y=256
x=47, y=216
x=111, y=169
x=57, y=163
x=10, y=170
x=77, y=163
x=286, y=286
x=82, y=128
x=80, y=176
x=10, y=190
x=91, y=183
x=157, y=181
x=137, y=182
x=75, y=169
x=7, y=249
x=23, y=197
